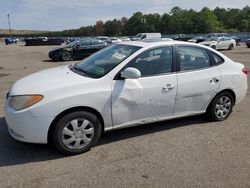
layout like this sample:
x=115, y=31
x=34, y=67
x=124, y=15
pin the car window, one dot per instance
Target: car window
x=193, y=58
x=153, y=62
x=95, y=42
x=84, y=43
x=217, y=59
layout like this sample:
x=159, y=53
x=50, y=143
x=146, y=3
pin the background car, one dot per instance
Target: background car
x=103, y=38
x=77, y=50
x=125, y=84
x=220, y=43
x=210, y=35
x=125, y=39
x=9, y=41
x=113, y=40
x=195, y=39
x=248, y=43
x=142, y=36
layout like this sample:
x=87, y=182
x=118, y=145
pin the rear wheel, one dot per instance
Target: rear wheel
x=66, y=56
x=231, y=46
x=76, y=132
x=220, y=107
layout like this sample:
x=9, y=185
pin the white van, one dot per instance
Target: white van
x=141, y=36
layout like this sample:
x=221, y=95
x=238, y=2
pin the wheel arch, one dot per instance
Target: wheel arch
x=225, y=90
x=73, y=109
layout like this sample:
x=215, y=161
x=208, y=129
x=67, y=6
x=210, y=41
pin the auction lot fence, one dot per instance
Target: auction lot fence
x=242, y=35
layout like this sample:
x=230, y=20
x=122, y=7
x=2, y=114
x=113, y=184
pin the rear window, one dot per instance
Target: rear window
x=217, y=59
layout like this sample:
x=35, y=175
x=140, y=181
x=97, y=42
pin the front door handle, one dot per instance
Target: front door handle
x=168, y=87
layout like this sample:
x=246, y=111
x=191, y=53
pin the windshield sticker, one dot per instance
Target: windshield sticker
x=118, y=56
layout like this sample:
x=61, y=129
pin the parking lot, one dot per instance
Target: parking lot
x=189, y=152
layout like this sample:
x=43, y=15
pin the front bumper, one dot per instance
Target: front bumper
x=27, y=128
x=54, y=56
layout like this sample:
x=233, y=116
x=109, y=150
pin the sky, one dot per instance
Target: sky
x=68, y=14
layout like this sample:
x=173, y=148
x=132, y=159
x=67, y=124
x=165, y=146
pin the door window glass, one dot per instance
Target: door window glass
x=153, y=62
x=193, y=58
x=217, y=59
x=96, y=42
x=85, y=43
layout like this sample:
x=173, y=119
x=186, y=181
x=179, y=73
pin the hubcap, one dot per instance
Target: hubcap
x=77, y=133
x=223, y=107
x=66, y=56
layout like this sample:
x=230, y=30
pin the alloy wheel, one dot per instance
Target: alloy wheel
x=223, y=107
x=66, y=56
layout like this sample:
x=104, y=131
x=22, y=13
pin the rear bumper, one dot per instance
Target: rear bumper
x=240, y=94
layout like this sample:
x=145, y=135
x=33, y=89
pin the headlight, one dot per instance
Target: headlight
x=23, y=101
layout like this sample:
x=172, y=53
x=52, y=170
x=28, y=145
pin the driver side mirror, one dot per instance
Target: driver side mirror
x=77, y=46
x=131, y=73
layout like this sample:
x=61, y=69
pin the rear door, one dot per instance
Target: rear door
x=198, y=80
x=220, y=44
x=96, y=45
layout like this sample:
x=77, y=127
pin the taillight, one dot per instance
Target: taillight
x=245, y=70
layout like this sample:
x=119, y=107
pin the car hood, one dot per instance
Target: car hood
x=48, y=80
x=58, y=48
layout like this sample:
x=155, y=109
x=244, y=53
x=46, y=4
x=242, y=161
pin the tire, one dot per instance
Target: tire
x=76, y=132
x=214, y=47
x=66, y=56
x=231, y=46
x=220, y=107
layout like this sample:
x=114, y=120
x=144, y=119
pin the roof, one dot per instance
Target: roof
x=153, y=43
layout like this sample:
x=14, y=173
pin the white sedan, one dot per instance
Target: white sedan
x=220, y=43
x=114, y=40
x=126, y=84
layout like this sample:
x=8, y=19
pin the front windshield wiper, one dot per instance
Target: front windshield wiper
x=81, y=71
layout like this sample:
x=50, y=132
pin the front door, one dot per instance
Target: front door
x=149, y=98
x=82, y=50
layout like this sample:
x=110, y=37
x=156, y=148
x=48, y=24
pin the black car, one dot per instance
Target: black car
x=248, y=43
x=77, y=50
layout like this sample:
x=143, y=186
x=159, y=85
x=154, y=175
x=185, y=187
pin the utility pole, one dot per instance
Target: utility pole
x=8, y=15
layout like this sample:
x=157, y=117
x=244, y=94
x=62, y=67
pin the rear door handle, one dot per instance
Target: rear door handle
x=214, y=80
x=168, y=87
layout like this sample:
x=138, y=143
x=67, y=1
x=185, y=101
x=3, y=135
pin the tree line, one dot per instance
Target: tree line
x=176, y=21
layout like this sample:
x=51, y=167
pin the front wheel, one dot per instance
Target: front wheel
x=66, y=56
x=231, y=46
x=220, y=107
x=76, y=132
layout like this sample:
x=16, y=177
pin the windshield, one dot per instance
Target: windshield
x=138, y=35
x=207, y=36
x=213, y=39
x=103, y=61
x=73, y=43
